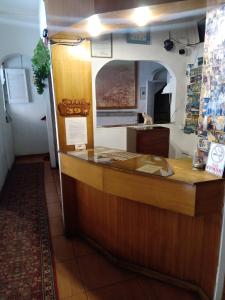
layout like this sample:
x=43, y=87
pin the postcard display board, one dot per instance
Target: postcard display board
x=194, y=74
x=212, y=101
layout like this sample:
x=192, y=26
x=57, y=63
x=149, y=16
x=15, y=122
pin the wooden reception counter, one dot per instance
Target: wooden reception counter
x=150, y=214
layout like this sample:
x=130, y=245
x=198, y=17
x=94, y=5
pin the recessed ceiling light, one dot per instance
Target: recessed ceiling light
x=141, y=16
x=94, y=26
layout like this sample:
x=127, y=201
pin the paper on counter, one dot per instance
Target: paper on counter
x=76, y=130
x=149, y=169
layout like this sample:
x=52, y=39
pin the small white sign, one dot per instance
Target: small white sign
x=76, y=130
x=216, y=159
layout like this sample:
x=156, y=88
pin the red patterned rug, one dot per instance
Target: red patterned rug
x=26, y=262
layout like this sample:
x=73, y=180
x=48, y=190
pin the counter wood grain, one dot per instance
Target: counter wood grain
x=182, y=193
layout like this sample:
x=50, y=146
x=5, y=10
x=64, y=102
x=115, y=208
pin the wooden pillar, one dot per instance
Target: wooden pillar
x=72, y=80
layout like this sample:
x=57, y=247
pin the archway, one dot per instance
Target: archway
x=125, y=88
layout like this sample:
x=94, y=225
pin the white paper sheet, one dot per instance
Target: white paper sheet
x=76, y=130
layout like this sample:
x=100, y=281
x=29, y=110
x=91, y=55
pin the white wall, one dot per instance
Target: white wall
x=29, y=132
x=145, y=73
x=6, y=143
x=19, y=34
x=175, y=63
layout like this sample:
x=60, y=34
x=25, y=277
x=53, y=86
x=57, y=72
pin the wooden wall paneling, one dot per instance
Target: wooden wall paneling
x=69, y=205
x=149, y=190
x=102, y=6
x=72, y=80
x=206, y=201
x=82, y=171
x=210, y=251
x=173, y=244
x=111, y=15
x=68, y=19
x=61, y=14
x=198, y=191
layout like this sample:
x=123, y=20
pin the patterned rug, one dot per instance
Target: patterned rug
x=26, y=263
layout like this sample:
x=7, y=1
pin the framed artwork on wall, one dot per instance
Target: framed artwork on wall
x=102, y=46
x=139, y=37
x=116, y=85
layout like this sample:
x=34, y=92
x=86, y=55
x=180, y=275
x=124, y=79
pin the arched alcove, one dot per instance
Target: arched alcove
x=124, y=88
x=29, y=133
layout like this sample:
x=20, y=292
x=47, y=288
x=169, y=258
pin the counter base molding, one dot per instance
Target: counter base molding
x=172, y=244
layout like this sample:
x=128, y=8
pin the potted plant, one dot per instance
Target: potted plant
x=41, y=66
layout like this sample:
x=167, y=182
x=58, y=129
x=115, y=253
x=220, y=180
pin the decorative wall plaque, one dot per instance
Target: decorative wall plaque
x=74, y=107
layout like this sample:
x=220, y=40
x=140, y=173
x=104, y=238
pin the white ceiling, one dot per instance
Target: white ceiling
x=19, y=12
x=24, y=7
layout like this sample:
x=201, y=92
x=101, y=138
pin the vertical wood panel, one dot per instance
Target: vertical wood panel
x=61, y=14
x=102, y=6
x=173, y=244
x=72, y=80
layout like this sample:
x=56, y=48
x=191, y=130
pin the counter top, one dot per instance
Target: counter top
x=173, y=169
x=165, y=183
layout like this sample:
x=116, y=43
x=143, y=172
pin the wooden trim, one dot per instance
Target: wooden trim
x=86, y=173
x=209, y=197
x=151, y=191
x=69, y=205
x=176, y=196
x=161, y=11
x=72, y=80
x=103, y=6
x=170, y=243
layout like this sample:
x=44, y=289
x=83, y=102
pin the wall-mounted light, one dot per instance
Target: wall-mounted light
x=141, y=16
x=94, y=26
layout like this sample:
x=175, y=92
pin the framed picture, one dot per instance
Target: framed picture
x=138, y=37
x=142, y=93
x=116, y=85
x=102, y=46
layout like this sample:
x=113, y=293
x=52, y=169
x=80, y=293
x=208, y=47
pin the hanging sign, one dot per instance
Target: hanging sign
x=74, y=107
x=216, y=159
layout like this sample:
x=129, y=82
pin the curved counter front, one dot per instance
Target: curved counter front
x=149, y=213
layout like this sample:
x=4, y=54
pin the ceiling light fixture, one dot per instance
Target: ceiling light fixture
x=141, y=16
x=94, y=26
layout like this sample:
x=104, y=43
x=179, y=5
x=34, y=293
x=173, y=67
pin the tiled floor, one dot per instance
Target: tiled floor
x=83, y=274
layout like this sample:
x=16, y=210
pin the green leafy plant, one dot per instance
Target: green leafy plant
x=41, y=66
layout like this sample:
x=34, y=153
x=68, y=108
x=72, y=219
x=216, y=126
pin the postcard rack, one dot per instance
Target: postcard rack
x=193, y=99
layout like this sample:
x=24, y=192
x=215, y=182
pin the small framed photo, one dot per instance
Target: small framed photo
x=139, y=37
x=142, y=93
x=102, y=46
